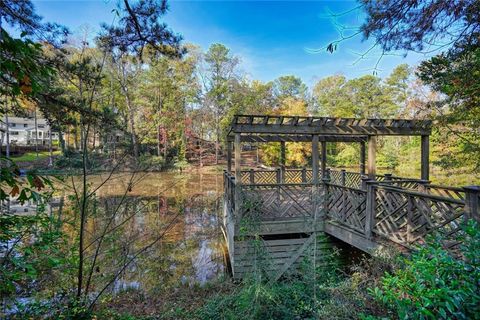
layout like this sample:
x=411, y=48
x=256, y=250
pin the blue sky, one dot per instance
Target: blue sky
x=271, y=38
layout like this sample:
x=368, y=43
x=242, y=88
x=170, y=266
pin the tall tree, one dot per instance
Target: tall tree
x=434, y=26
x=221, y=65
x=289, y=86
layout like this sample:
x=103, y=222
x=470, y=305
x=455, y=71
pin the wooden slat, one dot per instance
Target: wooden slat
x=325, y=125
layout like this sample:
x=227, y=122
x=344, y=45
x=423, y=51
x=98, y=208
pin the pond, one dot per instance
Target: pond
x=158, y=231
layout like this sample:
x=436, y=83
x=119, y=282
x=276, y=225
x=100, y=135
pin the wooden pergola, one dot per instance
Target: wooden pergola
x=292, y=208
x=264, y=129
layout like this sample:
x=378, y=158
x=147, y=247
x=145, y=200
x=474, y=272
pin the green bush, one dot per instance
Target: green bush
x=435, y=283
x=150, y=162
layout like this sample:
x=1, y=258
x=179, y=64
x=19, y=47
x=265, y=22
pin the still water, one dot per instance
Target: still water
x=164, y=227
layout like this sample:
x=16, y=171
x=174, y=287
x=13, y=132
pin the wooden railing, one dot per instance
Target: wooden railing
x=398, y=209
x=401, y=215
x=406, y=217
x=277, y=201
x=346, y=205
x=229, y=191
x=276, y=176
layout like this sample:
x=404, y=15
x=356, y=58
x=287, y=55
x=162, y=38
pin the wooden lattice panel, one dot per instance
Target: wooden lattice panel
x=293, y=176
x=447, y=192
x=309, y=175
x=245, y=177
x=336, y=177
x=229, y=192
x=353, y=180
x=280, y=201
x=347, y=206
x=404, y=217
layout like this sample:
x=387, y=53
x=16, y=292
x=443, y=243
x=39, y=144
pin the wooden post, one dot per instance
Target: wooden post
x=315, y=159
x=362, y=158
x=372, y=151
x=229, y=157
x=252, y=176
x=324, y=159
x=238, y=177
x=370, y=209
x=304, y=175
x=327, y=176
x=282, y=153
x=343, y=174
x=363, y=184
x=279, y=175
x=425, y=150
x=282, y=160
x=388, y=176
x=238, y=151
x=472, y=202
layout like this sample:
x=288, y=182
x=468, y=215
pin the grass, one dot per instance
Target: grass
x=32, y=156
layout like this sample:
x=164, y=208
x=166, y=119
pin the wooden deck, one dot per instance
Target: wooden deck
x=291, y=215
x=278, y=214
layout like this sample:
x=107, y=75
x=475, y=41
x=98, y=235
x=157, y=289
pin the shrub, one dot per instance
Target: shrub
x=436, y=283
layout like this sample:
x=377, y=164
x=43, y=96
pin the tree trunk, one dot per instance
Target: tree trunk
x=36, y=133
x=7, y=145
x=159, y=149
x=50, y=160
x=62, y=142
x=165, y=149
x=93, y=143
x=217, y=141
x=75, y=138
x=131, y=120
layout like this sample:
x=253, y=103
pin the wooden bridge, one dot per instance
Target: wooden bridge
x=299, y=214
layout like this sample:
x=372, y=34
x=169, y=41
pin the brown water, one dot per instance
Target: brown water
x=166, y=227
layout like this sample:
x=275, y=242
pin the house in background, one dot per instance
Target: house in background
x=21, y=131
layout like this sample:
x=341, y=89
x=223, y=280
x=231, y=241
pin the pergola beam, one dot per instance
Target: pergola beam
x=252, y=138
x=328, y=126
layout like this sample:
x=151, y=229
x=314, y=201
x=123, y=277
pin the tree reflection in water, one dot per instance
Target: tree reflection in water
x=175, y=215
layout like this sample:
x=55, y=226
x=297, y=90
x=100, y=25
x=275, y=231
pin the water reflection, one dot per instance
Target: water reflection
x=174, y=216
x=154, y=231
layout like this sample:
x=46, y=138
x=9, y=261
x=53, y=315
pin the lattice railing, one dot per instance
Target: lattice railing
x=282, y=201
x=401, y=210
x=412, y=184
x=296, y=176
x=336, y=176
x=346, y=206
x=260, y=176
x=406, y=216
x=229, y=191
x=352, y=179
x=447, y=192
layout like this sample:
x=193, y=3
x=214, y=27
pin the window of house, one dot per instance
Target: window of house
x=41, y=126
x=25, y=125
x=14, y=133
x=12, y=124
